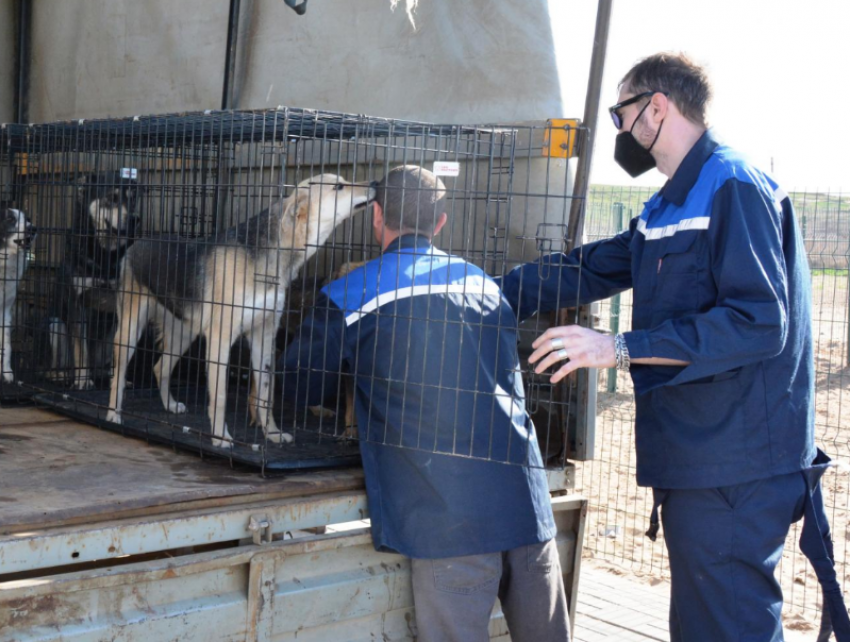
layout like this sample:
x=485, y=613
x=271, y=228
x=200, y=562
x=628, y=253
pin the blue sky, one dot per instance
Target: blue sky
x=779, y=68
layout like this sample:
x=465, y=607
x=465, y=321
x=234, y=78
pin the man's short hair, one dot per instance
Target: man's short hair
x=412, y=199
x=685, y=83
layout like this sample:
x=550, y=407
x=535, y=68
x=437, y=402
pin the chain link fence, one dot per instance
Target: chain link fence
x=619, y=511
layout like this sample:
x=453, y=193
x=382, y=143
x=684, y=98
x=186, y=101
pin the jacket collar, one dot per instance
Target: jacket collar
x=407, y=241
x=677, y=188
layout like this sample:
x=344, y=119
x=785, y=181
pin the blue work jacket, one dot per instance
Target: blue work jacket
x=720, y=281
x=450, y=456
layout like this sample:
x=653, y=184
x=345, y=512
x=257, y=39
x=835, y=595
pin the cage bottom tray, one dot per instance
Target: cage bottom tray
x=145, y=418
x=13, y=394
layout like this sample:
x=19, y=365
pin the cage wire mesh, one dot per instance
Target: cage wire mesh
x=619, y=511
x=165, y=281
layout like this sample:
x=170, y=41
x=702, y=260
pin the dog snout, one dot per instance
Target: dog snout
x=132, y=225
x=28, y=235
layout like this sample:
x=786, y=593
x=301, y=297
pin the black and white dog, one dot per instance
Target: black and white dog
x=105, y=223
x=16, y=236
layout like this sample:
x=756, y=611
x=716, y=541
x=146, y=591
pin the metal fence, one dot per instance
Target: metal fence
x=619, y=510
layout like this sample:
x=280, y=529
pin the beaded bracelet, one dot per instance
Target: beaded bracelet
x=622, y=352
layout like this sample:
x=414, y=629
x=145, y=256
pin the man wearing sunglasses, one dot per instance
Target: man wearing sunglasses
x=720, y=353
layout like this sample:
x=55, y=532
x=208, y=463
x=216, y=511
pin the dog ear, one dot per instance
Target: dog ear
x=297, y=204
x=302, y=206
x=295, y=213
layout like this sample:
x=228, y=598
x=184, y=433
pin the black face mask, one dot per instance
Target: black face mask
x=630, y=154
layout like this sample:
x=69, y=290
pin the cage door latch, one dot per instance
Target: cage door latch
x=261, y=527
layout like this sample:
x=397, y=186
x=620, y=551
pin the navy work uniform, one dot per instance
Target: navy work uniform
x=720, y=281
x=451, y=460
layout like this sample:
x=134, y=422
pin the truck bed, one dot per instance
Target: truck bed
x=56, y=471
x=108, y=538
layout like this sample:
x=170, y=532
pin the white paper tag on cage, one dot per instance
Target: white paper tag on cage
x=446, y=168
x=129, y=172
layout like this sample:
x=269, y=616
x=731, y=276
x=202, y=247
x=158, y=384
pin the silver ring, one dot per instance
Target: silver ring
x=557, y=343
x=562, y=354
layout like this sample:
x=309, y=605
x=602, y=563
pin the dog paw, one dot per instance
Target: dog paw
x=113, y=417
x=8, y=377
x=279, y=437
x=349, y=434
x=84, y=384
x=322, y=412
x=225, y=441
x=176, y=407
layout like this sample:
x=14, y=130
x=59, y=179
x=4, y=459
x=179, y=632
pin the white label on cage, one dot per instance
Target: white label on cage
x=129, y=172
x=446, y=168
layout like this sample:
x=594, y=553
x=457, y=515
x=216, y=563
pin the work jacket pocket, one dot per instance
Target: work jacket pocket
x=468, y=574
x=717, y=421
x=677, y=274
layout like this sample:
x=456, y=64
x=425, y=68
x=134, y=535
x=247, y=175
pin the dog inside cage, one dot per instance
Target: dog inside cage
x=226, y=282
x=16, y=236
x=104, y=224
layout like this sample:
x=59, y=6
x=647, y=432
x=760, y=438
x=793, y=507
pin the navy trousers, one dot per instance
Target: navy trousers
x=724, y=545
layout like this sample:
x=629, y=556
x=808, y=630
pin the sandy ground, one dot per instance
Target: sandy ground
x=619, y=510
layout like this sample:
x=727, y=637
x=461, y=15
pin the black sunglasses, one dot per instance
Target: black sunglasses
x=618, y=120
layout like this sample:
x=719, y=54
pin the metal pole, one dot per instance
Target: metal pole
x=22, y=62
x=575, y=227
x=585, y=378
x=614, y=316
x=230, y=55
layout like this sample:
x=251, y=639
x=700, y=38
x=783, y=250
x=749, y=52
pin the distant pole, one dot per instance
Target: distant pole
x=847, y=256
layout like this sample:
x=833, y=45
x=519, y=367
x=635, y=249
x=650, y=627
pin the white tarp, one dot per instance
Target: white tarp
x=466, y=61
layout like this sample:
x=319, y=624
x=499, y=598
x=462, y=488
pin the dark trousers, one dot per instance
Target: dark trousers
x=454, y=597
x=724, y=545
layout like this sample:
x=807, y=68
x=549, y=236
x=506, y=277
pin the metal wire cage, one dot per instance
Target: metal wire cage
x=164, y=284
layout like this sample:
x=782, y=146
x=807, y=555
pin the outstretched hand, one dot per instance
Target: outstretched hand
x=579, y=347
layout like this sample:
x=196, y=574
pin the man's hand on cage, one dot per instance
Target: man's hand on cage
x=579, y=347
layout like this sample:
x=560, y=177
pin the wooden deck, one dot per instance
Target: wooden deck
x=615, y=606
x=621, y=608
